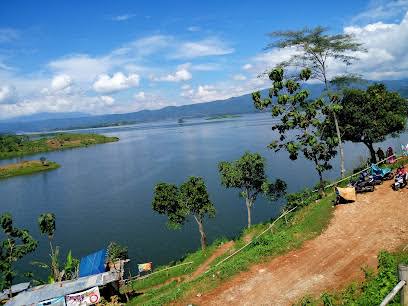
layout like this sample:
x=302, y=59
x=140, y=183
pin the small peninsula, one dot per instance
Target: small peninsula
x=26, y=167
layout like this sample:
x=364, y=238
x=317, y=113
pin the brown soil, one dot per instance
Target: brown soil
x=221, y=250
x=356, y=234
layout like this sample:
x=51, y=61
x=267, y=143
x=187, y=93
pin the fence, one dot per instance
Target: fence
x=401, y=286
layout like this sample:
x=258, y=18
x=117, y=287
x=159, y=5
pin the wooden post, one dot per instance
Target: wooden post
x=403, y=276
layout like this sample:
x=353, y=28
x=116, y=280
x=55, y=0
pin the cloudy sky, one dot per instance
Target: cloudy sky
x=103, y=57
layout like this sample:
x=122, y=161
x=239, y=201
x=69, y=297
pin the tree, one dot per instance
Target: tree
x=248, y=175
x=302, y=122
x=368, y=116
x=46, y=223
x=43, y=160
x=315, y=50
x=17, y=244
x=191, y=198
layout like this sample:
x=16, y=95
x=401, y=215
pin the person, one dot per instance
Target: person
x=402, y=173
x=390, y=156
x=380, y=154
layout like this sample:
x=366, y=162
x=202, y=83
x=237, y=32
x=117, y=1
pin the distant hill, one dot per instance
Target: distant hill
x=236, y=105
x=46, y=116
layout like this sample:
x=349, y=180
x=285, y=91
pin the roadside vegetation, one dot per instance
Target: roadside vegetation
x=20, y=145
x=372, y=290
x=287, y=234
x=26, y=167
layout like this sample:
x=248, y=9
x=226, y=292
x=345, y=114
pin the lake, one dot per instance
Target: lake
x=103, y=193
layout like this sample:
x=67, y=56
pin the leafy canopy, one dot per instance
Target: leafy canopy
x=370, y=115
x=301, y=121
x=315, y=47
x=177, y=203
x=248, y=174
x=17, y=244
x=46, y=222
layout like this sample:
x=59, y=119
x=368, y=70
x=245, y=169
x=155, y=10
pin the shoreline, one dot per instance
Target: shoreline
x=26, y=167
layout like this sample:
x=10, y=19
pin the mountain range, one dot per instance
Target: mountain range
x=237, y=105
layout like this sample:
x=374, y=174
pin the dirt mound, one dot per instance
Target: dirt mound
x=356, y=234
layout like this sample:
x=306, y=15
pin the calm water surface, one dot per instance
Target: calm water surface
x=103, y=193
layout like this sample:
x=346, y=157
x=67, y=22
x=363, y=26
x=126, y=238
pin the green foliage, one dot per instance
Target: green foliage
x=26, y=168
x=177, y=203
x=368, y=116
x=304, y=224
x=117, y=251
x=17, y=244
x=68, y=271
x=12, y=145
x=315, y=48
x=248, y=175
x=373, y=289
x=306, y=119
x=46, y=223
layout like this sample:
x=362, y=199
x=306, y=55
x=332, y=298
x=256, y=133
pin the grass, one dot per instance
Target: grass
x=371, y=290
x=58, y=142
x=26, y=167
x=306, y=223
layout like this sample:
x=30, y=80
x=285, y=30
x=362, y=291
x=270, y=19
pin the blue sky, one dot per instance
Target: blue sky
x=121, y=56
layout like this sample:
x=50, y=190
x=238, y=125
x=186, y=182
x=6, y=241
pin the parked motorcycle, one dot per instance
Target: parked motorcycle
x=381, y=173
x=401, y=179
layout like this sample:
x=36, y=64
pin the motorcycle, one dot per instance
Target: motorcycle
x=362, y=187
x=401, y=179
x=381, y=173
x=369, y=179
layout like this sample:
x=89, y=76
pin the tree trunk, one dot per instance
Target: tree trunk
x=202, y=233
x=321, y=185
x=248, y=205
x=336, y=123
x=341, y=151
x=372, y=151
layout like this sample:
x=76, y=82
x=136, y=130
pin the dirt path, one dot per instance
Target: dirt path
x=356, y=234
x=206, y=264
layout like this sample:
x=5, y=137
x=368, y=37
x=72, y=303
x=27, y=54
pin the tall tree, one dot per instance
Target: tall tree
x=368, y=116
x=316, y=49
x=17, y=244
x=248, y=175
x=301, y=123
x=58, y=273
x=178, y=203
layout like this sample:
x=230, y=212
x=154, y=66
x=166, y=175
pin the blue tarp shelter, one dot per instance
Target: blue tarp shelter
x=93, y=263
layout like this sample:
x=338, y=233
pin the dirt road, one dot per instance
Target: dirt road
x=356, y=234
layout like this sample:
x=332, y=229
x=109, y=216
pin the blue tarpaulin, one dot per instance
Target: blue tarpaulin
x=93, y=263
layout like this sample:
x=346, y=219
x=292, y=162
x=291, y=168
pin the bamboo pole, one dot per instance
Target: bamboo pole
x=393, y=293
x=403, y=277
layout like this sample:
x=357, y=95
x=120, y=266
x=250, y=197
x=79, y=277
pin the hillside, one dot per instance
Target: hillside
x=236, y=105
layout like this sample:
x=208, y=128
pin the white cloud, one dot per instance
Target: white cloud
x=7, y=95
x=140, y=95
x=386, y=44
x=61, y=82
x=239, y=77
x=118, y=82
x=205, y=47
x=123, y=17
x=108, y=100
x=182, y=74
x=247, y=67
x=381, y=10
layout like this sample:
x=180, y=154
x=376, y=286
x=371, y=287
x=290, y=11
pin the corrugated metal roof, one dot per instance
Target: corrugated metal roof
x=14, y=289
x=49, y=291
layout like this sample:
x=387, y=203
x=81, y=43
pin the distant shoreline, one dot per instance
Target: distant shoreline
x=22, y=146
x=26, y=168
